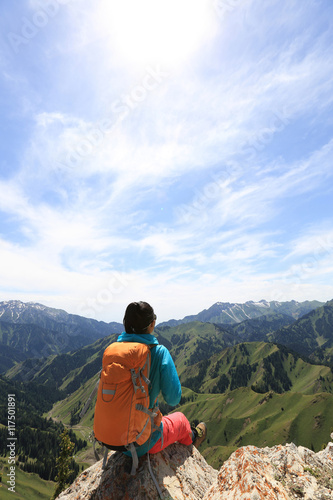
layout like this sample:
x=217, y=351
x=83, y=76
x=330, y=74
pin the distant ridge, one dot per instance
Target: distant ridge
x=248, y=390
x=32, y=330
x=230, y=313
x=310, y=335
x=16, y=311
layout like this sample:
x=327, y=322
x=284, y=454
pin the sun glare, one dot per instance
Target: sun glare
x=158, y=31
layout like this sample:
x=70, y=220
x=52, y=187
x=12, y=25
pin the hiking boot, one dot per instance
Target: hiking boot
x=200, y=433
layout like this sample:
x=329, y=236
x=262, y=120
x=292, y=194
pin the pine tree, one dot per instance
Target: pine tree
x=63, y=463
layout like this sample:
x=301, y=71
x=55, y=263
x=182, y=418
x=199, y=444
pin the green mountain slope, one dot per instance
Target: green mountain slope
x=33, y=341
x=242, y=417
x=8, y=357
x=248, y=392
x=36, y=437
x=311, y=335
x=256, y=329
x=259, y=365
x=65, y=371
x=35, y=331
x=251, y=393
x=28, y=486
x=234, y=418
x=192, y=342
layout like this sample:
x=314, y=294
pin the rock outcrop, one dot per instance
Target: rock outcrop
x=277, y=473
x=180, y=470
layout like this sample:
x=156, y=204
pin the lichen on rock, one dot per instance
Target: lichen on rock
x=250, y=473
x=277, y=473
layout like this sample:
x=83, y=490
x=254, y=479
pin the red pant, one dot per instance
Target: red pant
x=176, y=427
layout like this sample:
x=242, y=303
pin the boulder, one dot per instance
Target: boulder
x=181, y=472
x=279, y=473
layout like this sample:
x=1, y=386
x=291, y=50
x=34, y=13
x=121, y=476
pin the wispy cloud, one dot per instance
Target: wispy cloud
x=196, y=179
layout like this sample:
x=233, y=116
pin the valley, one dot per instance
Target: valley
x=262, y=381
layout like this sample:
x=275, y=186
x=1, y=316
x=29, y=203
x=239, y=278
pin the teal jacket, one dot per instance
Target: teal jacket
x=163, y=377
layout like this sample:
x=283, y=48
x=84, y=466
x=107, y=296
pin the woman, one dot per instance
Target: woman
x=139, y=323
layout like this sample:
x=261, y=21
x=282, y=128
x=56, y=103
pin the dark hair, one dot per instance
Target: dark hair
x=138, y=316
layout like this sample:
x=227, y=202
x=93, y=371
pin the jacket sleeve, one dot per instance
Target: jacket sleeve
x=169, y=380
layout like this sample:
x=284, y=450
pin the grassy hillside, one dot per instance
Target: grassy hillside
x=69, y=408
x=65, y=371
x=257, y=329
x=237, y=415
x=67, y=411
x=190, y=343
x=235, y=418
x=248, y=392
x=242, y=417
x=28, y=486
x=259, y=365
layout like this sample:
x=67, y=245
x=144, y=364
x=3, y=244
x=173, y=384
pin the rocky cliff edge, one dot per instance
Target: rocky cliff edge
x=250, y=473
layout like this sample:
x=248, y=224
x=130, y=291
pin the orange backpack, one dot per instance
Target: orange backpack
x=122, y=418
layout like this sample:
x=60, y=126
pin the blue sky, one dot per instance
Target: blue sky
x=173, y=152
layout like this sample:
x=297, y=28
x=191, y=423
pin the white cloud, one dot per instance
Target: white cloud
x=114, y=143
x=314, y=241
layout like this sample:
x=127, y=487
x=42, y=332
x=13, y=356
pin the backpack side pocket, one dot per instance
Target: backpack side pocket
x=108, y=392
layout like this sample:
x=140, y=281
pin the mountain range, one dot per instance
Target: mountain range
x=30, y=333
x=264, y=380
x=256, y=392
x=230, y=313
x=30, y=330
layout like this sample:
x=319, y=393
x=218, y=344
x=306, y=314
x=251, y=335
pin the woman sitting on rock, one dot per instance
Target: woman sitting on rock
x=139, y=323
x=126, y=414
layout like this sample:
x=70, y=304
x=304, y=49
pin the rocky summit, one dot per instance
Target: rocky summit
x=277, y=473
x=180, y=470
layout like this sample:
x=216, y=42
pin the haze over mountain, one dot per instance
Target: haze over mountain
x=192, y=343
x=30, y=330
x=229, y=313
x=15, y=311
